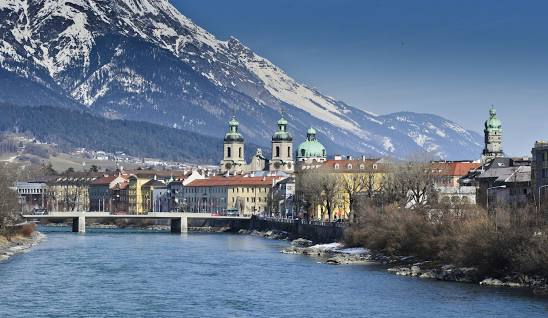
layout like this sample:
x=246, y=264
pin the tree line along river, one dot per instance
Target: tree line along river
x=116, y=273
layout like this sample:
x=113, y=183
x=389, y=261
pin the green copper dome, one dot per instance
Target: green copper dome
x=233, y=122
x=493, y=123
x=311, y=147
x=233, y=134
x=282, y=134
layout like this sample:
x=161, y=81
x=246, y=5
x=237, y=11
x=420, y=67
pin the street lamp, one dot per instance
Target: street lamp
x=492, y=188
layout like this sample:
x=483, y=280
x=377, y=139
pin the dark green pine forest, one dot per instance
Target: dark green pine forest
x=75, y=128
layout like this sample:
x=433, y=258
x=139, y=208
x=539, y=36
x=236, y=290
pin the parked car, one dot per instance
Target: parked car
x=232, y=212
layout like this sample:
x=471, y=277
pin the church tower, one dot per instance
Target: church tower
x=493, y=137
x=233, y=149
x=282, y=149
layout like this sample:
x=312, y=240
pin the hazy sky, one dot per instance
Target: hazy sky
x=451, y=58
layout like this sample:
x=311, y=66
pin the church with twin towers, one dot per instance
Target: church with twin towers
x=282, y=152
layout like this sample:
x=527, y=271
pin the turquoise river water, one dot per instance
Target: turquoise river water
x=113, y=273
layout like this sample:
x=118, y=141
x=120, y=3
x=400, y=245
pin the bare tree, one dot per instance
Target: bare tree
x=353, y=185
x=9, y=201
x=418, y=179
x=308, y=190
x=330, y=189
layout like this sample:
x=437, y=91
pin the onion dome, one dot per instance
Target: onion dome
x=493, y=123
x=233, y=134
x=282, y=134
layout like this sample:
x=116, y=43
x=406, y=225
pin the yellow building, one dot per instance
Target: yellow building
x=136, y=205
x=247, y=195
x=347, y=180
x=69, y=192
x=145, y=185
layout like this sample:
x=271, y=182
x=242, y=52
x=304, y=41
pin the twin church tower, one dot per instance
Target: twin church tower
x=281, y=152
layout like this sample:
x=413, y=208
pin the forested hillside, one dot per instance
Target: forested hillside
x=71, y=128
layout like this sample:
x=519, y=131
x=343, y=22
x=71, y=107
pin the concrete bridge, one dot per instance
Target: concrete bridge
x=178, y=220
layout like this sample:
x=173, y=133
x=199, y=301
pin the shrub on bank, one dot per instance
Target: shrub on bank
x=506, y=242
x=25, y=230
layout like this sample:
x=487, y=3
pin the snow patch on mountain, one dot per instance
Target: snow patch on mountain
x=286, y=89
x=388, y=146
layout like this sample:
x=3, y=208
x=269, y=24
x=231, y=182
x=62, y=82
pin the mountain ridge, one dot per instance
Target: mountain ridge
x=144, y=60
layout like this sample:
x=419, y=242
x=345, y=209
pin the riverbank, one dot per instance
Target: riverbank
x=18, y=244
x=339, y=254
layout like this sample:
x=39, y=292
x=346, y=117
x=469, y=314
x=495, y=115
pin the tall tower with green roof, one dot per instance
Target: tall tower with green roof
x=233, y=149
x=493, y=137
x=282, y=148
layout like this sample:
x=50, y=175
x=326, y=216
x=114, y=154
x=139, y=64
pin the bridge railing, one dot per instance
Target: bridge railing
x=303, y=221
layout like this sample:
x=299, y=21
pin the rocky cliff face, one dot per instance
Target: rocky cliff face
x=144, y=60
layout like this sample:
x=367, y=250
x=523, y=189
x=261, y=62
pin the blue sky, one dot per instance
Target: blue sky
x=451, y=58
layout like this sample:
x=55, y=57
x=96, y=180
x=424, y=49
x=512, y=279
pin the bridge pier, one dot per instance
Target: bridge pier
x=179, y=225
x=79, y=224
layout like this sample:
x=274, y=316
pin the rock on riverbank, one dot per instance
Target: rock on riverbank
x=19, y=244
x=445, y=272
x=452, y=273
x=333, y=253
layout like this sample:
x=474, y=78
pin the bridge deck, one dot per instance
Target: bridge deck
x=152, y=215
x=178, y=221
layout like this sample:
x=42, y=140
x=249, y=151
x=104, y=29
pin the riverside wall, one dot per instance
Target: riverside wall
x=317, y=233
x=234, y=225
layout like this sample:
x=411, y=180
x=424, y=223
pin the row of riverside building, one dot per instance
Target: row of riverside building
x=268, y=186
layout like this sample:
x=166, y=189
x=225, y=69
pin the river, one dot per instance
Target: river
x=113, y=273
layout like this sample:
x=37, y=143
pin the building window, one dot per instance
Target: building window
x=337, y=166
x=362, y=166
x=545, y=156
x=302, y=152
x=228, y=152
x=349, y=166
x=240, y=152
x=288, y=152
x=277, y=152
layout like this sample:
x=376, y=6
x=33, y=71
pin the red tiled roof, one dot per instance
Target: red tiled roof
x=454, y=169
x=234, y=181
x=104, y=180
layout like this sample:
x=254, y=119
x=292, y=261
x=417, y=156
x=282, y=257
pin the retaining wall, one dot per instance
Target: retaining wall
x=315, y=232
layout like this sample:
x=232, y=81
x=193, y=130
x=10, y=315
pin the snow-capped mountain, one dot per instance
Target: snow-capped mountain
x=144, y=60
